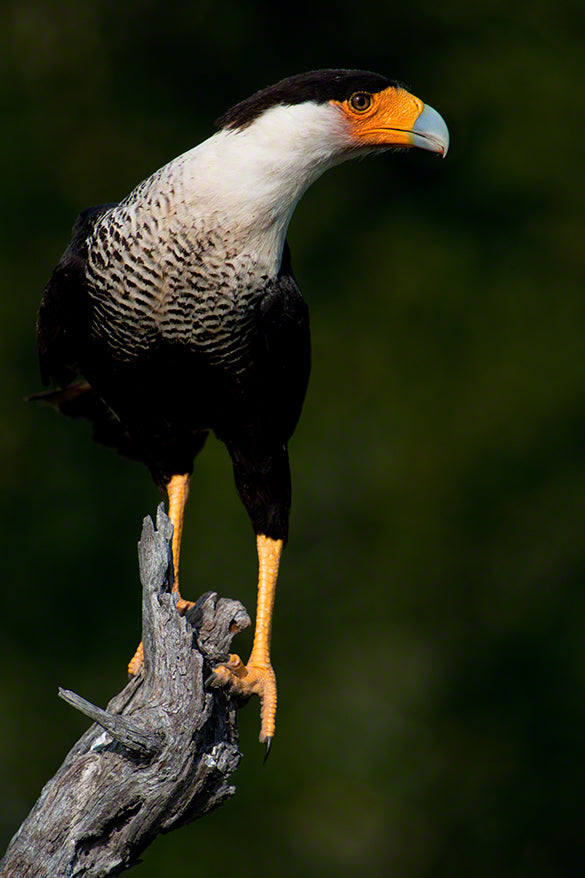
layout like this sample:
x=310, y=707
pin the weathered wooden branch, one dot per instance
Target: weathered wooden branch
x=158, y=757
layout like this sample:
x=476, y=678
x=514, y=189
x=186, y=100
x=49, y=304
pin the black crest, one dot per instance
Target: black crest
x=319, y=86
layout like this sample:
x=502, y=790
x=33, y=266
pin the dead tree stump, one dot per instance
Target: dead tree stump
x=158, y=757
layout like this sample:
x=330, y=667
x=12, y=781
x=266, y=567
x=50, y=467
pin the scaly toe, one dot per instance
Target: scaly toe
x=136, y=663
x=242, y=681
x=183, y=605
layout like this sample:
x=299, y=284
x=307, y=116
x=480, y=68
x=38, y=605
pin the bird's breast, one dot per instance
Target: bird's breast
x=164, y=279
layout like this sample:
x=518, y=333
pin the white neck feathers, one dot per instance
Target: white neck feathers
x=252, y=178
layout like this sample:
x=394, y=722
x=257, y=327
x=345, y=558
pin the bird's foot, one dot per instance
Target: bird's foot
x=242, y=681
x=137, y=661
x=183, y=606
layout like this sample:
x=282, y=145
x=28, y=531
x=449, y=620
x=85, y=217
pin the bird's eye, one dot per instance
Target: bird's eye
x=360, y=101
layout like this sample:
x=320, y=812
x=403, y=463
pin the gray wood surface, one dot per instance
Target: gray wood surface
x=158, y=757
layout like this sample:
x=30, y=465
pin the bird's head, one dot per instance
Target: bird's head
x=271, y=147
x=341, y=111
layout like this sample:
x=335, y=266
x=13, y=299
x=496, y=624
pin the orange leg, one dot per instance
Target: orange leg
x=257, y=677
x=178, y=493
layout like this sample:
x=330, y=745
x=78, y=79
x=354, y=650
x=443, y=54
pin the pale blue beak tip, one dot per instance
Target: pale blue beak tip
x=430, y=132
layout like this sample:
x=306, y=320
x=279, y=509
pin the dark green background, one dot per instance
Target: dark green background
x=429, y=623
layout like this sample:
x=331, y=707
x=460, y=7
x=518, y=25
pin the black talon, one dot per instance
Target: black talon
x=210, y=681
x=218, y=658
x=267, y=751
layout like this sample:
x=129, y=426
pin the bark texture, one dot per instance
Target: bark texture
x=158, y=757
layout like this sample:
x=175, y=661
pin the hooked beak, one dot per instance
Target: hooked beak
x=430, y=132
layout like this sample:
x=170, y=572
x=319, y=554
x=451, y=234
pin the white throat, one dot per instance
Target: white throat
x=250, y=180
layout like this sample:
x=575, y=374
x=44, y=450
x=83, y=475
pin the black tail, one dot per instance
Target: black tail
x=79, y=400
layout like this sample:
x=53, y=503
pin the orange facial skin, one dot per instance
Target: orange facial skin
x=383, y=119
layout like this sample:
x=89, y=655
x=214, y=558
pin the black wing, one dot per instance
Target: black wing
x=287, y=340
x=62, y=332
x=62, y=324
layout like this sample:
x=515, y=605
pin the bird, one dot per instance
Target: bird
x=175, y=312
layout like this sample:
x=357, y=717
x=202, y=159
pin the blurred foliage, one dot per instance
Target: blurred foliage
x=429, y=628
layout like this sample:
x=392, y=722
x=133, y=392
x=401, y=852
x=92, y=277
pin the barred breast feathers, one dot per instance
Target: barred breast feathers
x=160, y=268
